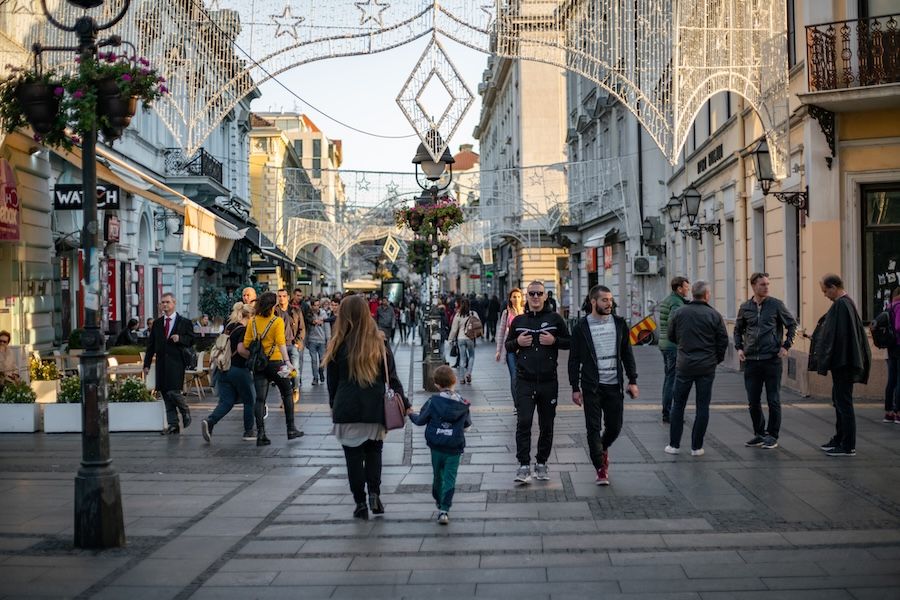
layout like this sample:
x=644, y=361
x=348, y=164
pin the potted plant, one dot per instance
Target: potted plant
x=65, y=415
x=18, y=411
x=133, y=408
x=44, y=378
x=126, y=354
x=35, y=98
x=440, y=216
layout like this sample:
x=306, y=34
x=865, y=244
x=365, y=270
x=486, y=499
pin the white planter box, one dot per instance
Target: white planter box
x=20, y=418
x=62, y=418
x=137, y=416
x=46, y=391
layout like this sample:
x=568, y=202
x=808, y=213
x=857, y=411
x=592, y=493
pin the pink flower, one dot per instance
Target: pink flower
x=144, y=61
x=126, y=77
x=163, y=89
x=38, y=137
x=76, y=139
x=145, y=71
x=111, y=57
x=78, y=59
x=161, y=79
x=58, y=91
x=78, y=95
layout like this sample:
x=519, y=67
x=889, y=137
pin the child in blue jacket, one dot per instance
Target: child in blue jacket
x=446, y=417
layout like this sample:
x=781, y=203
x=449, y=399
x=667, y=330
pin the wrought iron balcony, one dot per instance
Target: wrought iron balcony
x=853, y=54
x=201, y=164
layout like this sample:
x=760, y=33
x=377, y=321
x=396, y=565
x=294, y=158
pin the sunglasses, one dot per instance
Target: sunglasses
x=535, y=294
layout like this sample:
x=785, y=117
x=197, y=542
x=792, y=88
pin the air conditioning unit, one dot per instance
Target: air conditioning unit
x=645, y=265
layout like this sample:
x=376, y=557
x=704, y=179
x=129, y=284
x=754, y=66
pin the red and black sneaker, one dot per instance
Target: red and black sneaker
x=603, y=471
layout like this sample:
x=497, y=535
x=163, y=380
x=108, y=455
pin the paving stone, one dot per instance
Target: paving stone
x=343, y=578
x=610, y=573
x=722, y=584
x=415, y=563
x=483, y=575
x=544, y=559
x=841, y=581
x=287, y=564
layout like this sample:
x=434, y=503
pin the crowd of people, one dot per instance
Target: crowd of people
x=349, y=340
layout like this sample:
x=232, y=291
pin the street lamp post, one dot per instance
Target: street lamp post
x=765, y=175
x=433, y=171
x=98, y=495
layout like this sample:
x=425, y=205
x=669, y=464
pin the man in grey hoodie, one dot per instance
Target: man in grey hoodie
x=317, y=338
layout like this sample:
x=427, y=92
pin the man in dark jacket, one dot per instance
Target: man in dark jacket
x=761, y=344
x=493, y=313
x=699, y=332
x=535, y=337
x=170, y=337
x=681, y=289
x=384, y=318
x=601, y=351
x=840, y=345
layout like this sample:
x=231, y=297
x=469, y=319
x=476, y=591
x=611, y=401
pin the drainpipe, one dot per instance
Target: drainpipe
x=744, y=207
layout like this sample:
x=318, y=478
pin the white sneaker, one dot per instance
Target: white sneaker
x=523, y=474
x=671, y=450
x=443, y=518
x=698, y=452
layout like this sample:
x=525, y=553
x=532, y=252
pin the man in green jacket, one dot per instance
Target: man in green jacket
x=681, y=287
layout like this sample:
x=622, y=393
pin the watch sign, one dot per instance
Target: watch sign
x=69, y=196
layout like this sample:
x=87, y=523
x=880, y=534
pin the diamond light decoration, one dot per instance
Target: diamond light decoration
x=434, y=67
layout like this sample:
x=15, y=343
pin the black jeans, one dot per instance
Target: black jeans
x=608, y=404
x=175, y=403
x=683, y=385
x=842, y=399
x=759, y=373
x=543, y=396
x=261, y=383
x=364, y=468
x=892, y=389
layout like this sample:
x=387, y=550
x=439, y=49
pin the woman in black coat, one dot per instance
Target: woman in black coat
x=355, y=374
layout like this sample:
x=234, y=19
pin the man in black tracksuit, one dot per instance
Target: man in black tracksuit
x=601, y=351
x=535, y=337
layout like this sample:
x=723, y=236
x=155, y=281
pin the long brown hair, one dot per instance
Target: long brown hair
x=355, y=328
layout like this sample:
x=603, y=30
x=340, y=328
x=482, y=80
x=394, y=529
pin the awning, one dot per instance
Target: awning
x=268, y=249
x=598, y=240
x=205, y=233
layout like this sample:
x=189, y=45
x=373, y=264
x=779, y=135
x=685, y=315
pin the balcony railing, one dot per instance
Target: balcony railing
x=201, y=164
x=850, y=54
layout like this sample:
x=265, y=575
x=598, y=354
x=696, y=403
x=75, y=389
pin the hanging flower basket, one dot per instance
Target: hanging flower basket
x=114, y=110
x=425, y=219
x=34, y=98
x=40, y=104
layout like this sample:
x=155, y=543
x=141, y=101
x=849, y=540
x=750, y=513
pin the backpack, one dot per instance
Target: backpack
x=474, y=328
x=883, y=334
x=259, y=359
x=220, y=354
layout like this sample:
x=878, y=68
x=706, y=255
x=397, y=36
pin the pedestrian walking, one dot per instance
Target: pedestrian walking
x=403, y=321
x=384, y=318
x=886, y=335
x=317, y=339
x=763, y=334
x=235, y=384
x=535, y=337
x=248, y=295
x=446, y=417
x=699, y=332
x=840, y=345
x=515, y=306
x=356, y=381
x=170, y=337
x=599, y=361
x=295, y=338
x=681, y=290
x=493, y=313
x=268, y=328
x=461, y=331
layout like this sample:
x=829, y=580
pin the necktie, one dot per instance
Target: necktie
x=168, y=319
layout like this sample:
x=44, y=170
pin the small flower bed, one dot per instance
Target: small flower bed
x=130, y=389
x=42, y=370
x=17, y=392
x=425, y=219
x=69, y=390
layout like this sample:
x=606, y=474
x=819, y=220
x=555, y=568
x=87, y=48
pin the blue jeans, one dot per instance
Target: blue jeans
x=316, y=354
x=759, y=373
x=295, y=357
x=444, y=465
x=683, y=384
x=466, y=357
x=668, y=390
x=233, y=386
x=511, y=365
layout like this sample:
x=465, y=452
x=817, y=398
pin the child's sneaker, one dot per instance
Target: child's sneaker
x=443, y=518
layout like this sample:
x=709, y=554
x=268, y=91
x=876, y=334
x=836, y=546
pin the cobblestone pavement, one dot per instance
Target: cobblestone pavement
x=228, y=520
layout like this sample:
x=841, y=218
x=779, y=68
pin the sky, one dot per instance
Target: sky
x=361, y=91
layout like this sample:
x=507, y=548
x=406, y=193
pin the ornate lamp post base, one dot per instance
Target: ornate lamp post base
x=98, y=508
x=432, y=348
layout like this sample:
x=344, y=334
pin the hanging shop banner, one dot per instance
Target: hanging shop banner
x=607, y=257
x=69, y=196
x=140, y=291
x=590, y=260
x=9, y=204
x=113, y=298
x=112, y=228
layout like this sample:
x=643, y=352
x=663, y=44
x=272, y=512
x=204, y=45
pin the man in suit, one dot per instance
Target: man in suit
x=170, y=336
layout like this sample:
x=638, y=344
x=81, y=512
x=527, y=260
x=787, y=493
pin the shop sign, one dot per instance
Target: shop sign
x=111, y=283
x=69, y=196
x=591, y=260
x=112, y=228
x=140, y=290
x=9, y=204
x=607, y=257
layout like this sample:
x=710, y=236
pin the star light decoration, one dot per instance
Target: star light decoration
x=372, y=10
x=362, y=184
x=287, y=23
x=435, y=68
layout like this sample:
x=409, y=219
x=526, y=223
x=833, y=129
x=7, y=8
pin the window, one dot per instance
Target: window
x=730, y=292
x=759, y=239
x=298, y=147
x=317, y=148
x=881, y=246
x=791, y=34
x=317, y=168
